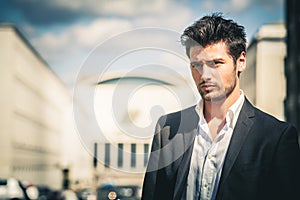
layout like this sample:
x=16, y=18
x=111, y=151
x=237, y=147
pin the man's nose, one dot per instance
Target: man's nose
x=205, y=71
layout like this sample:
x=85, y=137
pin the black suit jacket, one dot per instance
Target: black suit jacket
x=262, y=161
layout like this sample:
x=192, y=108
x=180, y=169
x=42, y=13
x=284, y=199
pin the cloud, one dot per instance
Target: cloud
x=77, y=38
x=98, y=30
x=45, y=12
x=238, y=6
x=67, y=49
x=235, y=5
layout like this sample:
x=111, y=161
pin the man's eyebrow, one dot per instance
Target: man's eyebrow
x=210, y=60
x=217, y=59
x=196, y=63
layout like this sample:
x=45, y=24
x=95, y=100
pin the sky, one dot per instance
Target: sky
x=67, y=32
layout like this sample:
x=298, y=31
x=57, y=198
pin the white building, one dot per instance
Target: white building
x=127, y=108
x=37, y=136
x=264, y=80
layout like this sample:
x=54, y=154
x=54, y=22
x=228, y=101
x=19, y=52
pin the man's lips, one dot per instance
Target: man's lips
x=207, y=86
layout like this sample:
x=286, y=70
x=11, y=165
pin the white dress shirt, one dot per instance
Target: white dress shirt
x=208, y=154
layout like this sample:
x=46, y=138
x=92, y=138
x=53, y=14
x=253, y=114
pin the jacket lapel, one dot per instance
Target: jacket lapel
x=189, y=131
x=242, y=128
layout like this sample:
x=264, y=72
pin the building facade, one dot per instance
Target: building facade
x=127, y=109
x=264, y=80
x=35, y=126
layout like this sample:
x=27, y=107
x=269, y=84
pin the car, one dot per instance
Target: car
x=45, y=192
x=11, y=188
x=122, y=192
x=69, y=194
x=86, y=194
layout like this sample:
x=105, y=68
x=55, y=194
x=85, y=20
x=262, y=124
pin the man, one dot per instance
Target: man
x=223, y=148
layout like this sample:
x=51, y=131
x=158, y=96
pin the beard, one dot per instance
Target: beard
x=219, y=92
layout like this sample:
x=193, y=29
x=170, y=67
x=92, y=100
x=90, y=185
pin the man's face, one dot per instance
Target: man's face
x=213, y=71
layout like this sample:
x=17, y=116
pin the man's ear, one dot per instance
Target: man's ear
x=241, y=62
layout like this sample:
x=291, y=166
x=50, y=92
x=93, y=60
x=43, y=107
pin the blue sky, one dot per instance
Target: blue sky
x=65, y=32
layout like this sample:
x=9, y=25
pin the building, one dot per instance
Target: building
x=36, y=126
x=264, y=80
x=127, y=108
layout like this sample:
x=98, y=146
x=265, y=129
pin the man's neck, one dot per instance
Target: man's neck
x=215, y=112
x=218, y=109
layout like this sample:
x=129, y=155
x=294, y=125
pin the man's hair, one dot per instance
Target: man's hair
x=212, y=29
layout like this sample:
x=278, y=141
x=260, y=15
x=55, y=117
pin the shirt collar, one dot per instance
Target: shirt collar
x=234, y=110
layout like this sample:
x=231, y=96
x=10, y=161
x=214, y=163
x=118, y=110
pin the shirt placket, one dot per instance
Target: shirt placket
x=201, y=159
x=208, y=176
x=210, y=166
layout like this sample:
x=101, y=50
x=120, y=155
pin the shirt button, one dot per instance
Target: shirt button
x=205, y=185
x=209, y=156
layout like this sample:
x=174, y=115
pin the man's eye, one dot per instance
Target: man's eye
x=196, y=65
x=218, y=63
x=211, y=64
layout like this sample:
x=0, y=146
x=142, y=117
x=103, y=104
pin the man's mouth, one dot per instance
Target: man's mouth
x=207, y=86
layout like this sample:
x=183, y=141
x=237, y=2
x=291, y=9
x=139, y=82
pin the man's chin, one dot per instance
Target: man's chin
x=213, y=98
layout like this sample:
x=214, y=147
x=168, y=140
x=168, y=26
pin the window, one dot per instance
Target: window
x=133, y=155
x=120, y=155
x=146, y=152
x=107, y=155
x=95, y=159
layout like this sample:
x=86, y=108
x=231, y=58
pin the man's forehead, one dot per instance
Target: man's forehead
x=196, y=50
x=209, y=52
x=200, y=53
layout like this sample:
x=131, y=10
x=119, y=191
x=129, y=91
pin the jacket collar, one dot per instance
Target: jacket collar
x=244, y=123
x=190, y=120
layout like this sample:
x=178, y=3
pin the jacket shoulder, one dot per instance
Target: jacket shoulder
x=180, y=121
x=270, y=121
x=265, y=120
